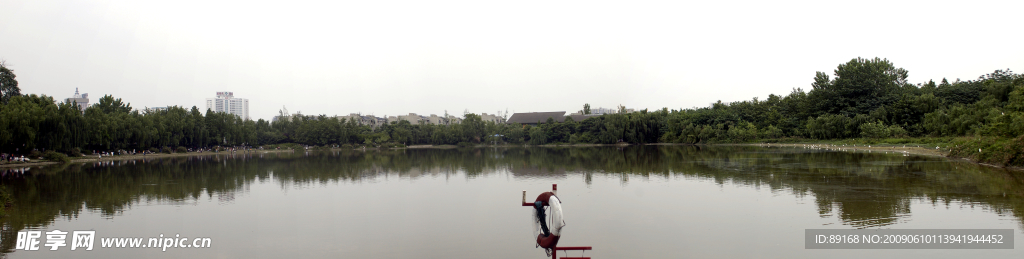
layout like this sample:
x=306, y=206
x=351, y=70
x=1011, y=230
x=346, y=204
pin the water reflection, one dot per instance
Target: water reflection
x=862, y=190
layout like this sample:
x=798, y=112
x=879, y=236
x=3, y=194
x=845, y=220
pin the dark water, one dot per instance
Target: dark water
x=633, y=202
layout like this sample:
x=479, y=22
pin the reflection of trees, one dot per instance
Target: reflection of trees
x=861, y=189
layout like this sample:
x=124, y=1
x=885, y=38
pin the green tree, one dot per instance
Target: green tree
x=108, y=104
x=537, y=136
x=8, y=85
x=23, y=122
x=859, y=87
x=473, y=128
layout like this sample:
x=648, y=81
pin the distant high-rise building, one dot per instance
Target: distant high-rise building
x=227, y=103
x=81, y=99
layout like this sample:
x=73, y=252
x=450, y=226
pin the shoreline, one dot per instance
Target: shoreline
x=527, y=145
x=905, y=149
x=94, y=158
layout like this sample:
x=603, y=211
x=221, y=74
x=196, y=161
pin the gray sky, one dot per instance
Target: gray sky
x=396, y=57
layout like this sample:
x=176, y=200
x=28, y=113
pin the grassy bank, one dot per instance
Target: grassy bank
x=941, y=142
x=990, y=150
x=999, y=151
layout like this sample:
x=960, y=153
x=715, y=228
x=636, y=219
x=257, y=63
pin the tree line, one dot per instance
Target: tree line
x=867, y=98
x=863, y=98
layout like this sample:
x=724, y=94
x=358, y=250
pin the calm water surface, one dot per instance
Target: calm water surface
x=632, y=202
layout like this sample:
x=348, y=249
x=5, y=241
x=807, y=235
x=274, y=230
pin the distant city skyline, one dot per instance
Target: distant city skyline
x=395, y=57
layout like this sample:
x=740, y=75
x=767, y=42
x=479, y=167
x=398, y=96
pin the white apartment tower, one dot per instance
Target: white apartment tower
x=81, y=99
x=227, y=103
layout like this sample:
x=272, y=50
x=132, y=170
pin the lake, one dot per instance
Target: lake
x=625, y=202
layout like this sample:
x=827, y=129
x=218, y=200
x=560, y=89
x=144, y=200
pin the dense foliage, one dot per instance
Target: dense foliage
x=8, y=85
x=868, y=98
x=864, y=98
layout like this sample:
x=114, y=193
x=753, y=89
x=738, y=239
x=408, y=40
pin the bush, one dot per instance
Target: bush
x=772, y=132
x=56, y=157
x=991, y=150
x=878, y=130
x=153, y=150
x=34, y=154
x=586, y=138
x=537, y=136
x=873, y=130
x=896, y=131
x=182, y=149
x=346, y=146
x=167, y=150
x=465, y=144
x=832, y=126
x=76, y=152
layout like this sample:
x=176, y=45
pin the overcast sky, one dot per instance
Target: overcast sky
x=397, y=57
